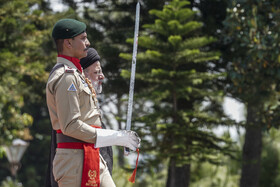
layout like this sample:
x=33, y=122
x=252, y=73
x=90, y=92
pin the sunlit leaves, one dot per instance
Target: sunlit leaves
x=22, y=61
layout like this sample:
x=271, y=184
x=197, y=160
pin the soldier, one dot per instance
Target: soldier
x=75, y=115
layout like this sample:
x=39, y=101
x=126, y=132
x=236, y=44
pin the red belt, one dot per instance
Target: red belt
x=91, y=171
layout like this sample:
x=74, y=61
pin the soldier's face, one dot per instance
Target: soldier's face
x=95, y=74
x=80, y=45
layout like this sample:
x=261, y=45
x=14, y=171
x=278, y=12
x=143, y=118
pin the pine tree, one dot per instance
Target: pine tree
x=110, y=23
x=183, y=103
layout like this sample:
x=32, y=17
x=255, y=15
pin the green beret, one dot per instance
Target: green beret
x=68, y=28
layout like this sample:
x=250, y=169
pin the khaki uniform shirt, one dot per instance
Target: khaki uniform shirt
x=70, y=103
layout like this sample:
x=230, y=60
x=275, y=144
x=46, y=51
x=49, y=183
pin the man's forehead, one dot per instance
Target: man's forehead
x=95, y=65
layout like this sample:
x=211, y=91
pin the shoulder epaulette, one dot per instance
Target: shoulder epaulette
x=69, y=69
x=55, y=68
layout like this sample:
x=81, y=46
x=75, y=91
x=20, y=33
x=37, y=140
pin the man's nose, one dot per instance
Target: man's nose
x=101, y=76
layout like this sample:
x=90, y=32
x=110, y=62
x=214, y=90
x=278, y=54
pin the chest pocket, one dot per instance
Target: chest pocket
x=86, y=100
x=86, y=89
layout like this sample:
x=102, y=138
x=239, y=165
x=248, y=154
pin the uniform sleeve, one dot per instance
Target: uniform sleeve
x=68, y=110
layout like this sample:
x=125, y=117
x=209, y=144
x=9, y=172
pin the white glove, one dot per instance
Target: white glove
x=106, y=137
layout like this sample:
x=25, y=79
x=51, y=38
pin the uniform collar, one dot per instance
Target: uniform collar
x=74, y=60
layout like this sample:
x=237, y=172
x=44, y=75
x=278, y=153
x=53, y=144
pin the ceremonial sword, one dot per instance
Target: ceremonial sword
x=132, y=76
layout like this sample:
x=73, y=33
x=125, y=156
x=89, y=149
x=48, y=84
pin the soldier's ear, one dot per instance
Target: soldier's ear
x=67, y=43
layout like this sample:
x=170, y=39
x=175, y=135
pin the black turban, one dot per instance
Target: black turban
x=92, y=57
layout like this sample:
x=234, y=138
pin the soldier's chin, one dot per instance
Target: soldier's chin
x=85, y=53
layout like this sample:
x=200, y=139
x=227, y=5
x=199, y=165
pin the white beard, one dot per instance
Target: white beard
x=97, y=85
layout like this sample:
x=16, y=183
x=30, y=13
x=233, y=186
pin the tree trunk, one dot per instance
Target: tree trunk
x=251, y=163
x=178, y=176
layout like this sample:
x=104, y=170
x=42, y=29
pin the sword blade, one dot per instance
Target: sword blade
x=132, y=76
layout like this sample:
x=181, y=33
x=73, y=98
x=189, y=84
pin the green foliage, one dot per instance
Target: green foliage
x=2, y=151
x=13, y=68
x=153, y=178
x=22, y=64
x=10, y=183
x=214, y=176
x=254, y=71
x=270, y=175
x=179, y=87
x=227, y=174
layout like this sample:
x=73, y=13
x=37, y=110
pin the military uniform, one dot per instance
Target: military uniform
x=72, y=110
x=70, y=104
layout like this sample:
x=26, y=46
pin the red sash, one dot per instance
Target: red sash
x=91, y=171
